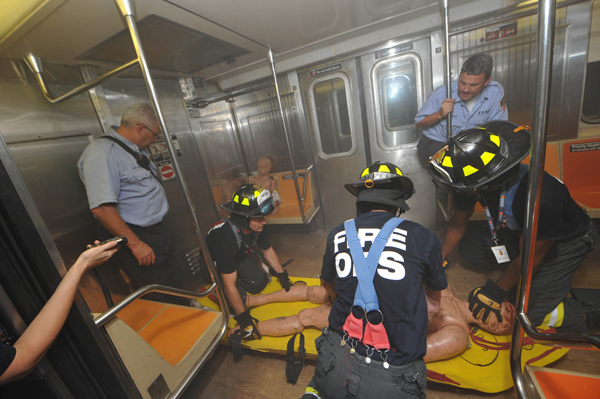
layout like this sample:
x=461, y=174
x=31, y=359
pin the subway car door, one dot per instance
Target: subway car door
x=396, y=81
x=332, y=100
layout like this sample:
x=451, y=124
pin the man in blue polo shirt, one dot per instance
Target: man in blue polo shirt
x=475, y=100
x=125, y=195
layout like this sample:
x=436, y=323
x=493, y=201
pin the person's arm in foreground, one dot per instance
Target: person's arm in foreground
x=43, y=330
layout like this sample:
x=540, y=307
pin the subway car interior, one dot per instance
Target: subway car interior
x=321, y=87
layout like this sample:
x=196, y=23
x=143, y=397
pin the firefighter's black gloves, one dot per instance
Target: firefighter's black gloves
x=248, y=328
x=284, y=280
x=485, y=300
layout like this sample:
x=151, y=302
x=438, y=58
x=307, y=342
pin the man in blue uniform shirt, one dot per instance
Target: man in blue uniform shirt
x=475, y=100
x=127, y=198
x=376, y=340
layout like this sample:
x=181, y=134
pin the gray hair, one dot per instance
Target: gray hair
x=138, y=113
x=478, y=64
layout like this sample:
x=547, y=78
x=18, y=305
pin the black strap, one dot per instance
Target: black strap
x=294, y=365
x=235, y=340
x=141, y=159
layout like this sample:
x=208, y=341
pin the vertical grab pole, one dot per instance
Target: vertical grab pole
x=446, y=23
x=128, y=11
x=444, y=5
x=545, y=45
x=287, y=138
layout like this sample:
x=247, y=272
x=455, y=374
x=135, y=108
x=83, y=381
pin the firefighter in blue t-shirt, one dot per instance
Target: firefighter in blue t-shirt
x=376, y=351
x=484, y=165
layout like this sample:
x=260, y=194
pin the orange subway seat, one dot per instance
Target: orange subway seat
x=175, y=331
x=139, y=313
x=581, y=171
x=171, y=330
x=289, y=199
x=557, y=385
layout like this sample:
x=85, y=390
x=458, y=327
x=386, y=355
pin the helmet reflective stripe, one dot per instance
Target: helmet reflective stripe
x=486, y=157
x=365, y=172
x=246, y=202
x=447, y=162
x=469, y=170
x=384, y=168
x=236, y=199
x=495, y=139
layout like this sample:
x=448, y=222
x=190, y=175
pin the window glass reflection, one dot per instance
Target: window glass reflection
x=332, y=117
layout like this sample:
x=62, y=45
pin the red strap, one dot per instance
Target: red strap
x=376, y=336
x=354, y=327
x=484, y=343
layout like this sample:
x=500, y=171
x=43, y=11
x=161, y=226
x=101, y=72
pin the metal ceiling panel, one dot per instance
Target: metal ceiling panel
x=168, y=46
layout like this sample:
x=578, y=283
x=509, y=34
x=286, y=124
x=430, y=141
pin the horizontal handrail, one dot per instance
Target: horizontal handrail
x=35, y=64
x=556, y=338
x=163, y=289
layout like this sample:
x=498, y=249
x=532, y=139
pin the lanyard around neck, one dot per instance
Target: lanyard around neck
x=501, y=215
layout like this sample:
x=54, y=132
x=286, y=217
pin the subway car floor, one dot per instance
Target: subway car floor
x=262, y=375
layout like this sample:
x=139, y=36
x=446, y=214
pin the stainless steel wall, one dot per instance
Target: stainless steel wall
x=515, y=66
x=45, y=140
x=121, y=93
x=232, y=136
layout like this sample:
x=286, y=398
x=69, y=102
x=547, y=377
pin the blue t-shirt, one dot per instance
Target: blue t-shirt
x=112, y=176
x=488, y=107
x=412, y=256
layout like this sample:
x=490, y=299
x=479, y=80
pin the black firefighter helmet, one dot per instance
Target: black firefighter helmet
x=475, y=157
x=382, y=183
x=250, y=200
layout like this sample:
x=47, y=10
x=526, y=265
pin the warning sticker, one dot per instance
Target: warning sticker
x=330, y=68
x=394, y=51
x=585, y=146
x=167, y=173
x=291, y=176
x=500, y=32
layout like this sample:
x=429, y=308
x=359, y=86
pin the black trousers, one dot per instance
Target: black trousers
x=160, y=272
x=552, y=281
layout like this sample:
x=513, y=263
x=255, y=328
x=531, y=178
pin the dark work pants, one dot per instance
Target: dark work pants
x=250, y=279
x=341, y=375
x=552, y=281
x=428, y=147
x=161, y=272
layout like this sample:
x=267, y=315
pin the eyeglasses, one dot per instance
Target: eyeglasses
x=155, y=134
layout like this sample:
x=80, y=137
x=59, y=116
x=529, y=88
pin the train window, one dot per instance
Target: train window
x=332, y=116
x=397, y=90
x=590, y=111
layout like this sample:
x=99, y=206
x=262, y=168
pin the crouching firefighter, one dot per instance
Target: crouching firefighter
x=234, y=244
x=379, y=269
x=484, y=165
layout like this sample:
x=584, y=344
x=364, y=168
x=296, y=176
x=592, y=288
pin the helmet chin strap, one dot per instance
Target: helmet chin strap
x=240, y=221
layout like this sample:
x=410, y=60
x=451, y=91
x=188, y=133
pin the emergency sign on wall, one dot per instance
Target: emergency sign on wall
x=500, y=32
x=161, y=157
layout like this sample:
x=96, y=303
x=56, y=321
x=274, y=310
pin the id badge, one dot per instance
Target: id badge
x=501, y=254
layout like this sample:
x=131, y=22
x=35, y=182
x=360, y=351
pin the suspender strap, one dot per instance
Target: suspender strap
x=365, y=295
